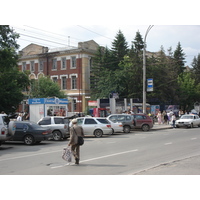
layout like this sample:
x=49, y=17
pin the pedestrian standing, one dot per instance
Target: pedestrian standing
x=159, y=116
x=75, y=131
x=173, y=120
x=19, y=118
x=165, y=118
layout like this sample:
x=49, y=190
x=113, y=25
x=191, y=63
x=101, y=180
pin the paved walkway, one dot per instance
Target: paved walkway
x=161, y=126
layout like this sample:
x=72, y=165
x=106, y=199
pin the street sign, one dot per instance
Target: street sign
x=149, y=85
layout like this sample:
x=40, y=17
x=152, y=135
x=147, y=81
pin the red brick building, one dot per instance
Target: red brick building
x=69, y=67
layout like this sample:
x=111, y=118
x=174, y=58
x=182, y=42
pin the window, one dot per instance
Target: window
x=73, y=78
x=121, y=118
x=23, y=66
x=32, y=66
x=128, y=117
x=113, y=118
x=45, y=121
x=41, y=65
x=103, y=121
x=140, y=117
x=73, y=62
x=54, y=79
x=64, y=82
x=90, y=121
x=59, y=120
x=54, y=66
x=63, y=63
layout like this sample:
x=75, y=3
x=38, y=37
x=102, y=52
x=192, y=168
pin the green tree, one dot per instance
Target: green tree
x=196, y=69
x=179, y=57
x=12, y=82
x=188, y=91
x=44, y=87
x=119, y=49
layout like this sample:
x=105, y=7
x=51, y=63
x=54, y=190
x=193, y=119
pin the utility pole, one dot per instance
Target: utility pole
x=144, y=69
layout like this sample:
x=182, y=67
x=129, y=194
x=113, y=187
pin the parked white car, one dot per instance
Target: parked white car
x=116, y=126
x=188, y=121
x=97, y=126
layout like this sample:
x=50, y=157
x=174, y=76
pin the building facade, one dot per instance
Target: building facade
x=68, y=67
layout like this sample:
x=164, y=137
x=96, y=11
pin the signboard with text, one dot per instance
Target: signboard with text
x=150, y=85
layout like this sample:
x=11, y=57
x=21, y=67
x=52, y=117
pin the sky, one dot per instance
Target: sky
x=159, y=35
x=100, y=21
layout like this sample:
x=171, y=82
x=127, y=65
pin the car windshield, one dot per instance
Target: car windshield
x=103, y=121
x=187, y=117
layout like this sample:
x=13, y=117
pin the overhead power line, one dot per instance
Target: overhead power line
x=95, y=32
x=42, y=39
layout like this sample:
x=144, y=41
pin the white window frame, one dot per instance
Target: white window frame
x=23, y=66
x=73, y=84
x=32, y=66
x=41, y=65
x=63, y=60
x=73, y=62
x=53, y=77
x=61, y=77
x=54, y=64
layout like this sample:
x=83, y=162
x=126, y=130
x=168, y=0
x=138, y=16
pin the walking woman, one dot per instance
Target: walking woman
x=75, y=131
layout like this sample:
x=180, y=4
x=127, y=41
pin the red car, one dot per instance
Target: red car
x=143, y=121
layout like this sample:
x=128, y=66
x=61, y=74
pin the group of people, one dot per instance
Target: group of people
x=22, y=116
x=166, y=117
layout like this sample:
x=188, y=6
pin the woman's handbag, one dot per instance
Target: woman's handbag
x=80, y=139
x=67, y=154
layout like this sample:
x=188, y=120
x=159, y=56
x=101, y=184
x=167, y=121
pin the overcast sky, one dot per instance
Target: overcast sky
x=160, y=35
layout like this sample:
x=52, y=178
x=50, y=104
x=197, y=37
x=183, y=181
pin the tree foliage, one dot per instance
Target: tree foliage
x=12, y=82
x=44, y=87
x=120, y=69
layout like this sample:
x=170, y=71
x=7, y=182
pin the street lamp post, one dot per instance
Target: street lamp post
x=144, y=69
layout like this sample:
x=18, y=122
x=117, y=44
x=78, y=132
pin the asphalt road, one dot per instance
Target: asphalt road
x=167, y=151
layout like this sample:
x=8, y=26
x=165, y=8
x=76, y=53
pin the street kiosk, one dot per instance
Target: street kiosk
x=42, y=107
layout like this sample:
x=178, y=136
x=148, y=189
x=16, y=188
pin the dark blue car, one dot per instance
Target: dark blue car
x=30, y=133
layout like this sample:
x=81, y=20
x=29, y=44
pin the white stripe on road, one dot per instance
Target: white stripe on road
x=97, y=158
x=168, y=143
x=29, y=155
x=193, y=138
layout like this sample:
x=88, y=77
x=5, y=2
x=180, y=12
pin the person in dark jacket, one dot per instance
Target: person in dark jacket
x=75, y=131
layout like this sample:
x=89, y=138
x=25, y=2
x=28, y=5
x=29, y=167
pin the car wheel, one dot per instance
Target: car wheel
x=98, y=133
x=57, y=135
x=29, y=140
x=127, y=129
x=145, y=127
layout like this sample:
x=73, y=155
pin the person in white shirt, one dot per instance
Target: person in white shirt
x=19, y=118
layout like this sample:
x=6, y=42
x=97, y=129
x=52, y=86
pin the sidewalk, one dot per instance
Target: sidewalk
x=157, y=126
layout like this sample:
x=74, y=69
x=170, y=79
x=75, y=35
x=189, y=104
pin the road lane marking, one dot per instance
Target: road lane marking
x=193, y=138
x=29, y=155
x=97, y=158
x=168, y=143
